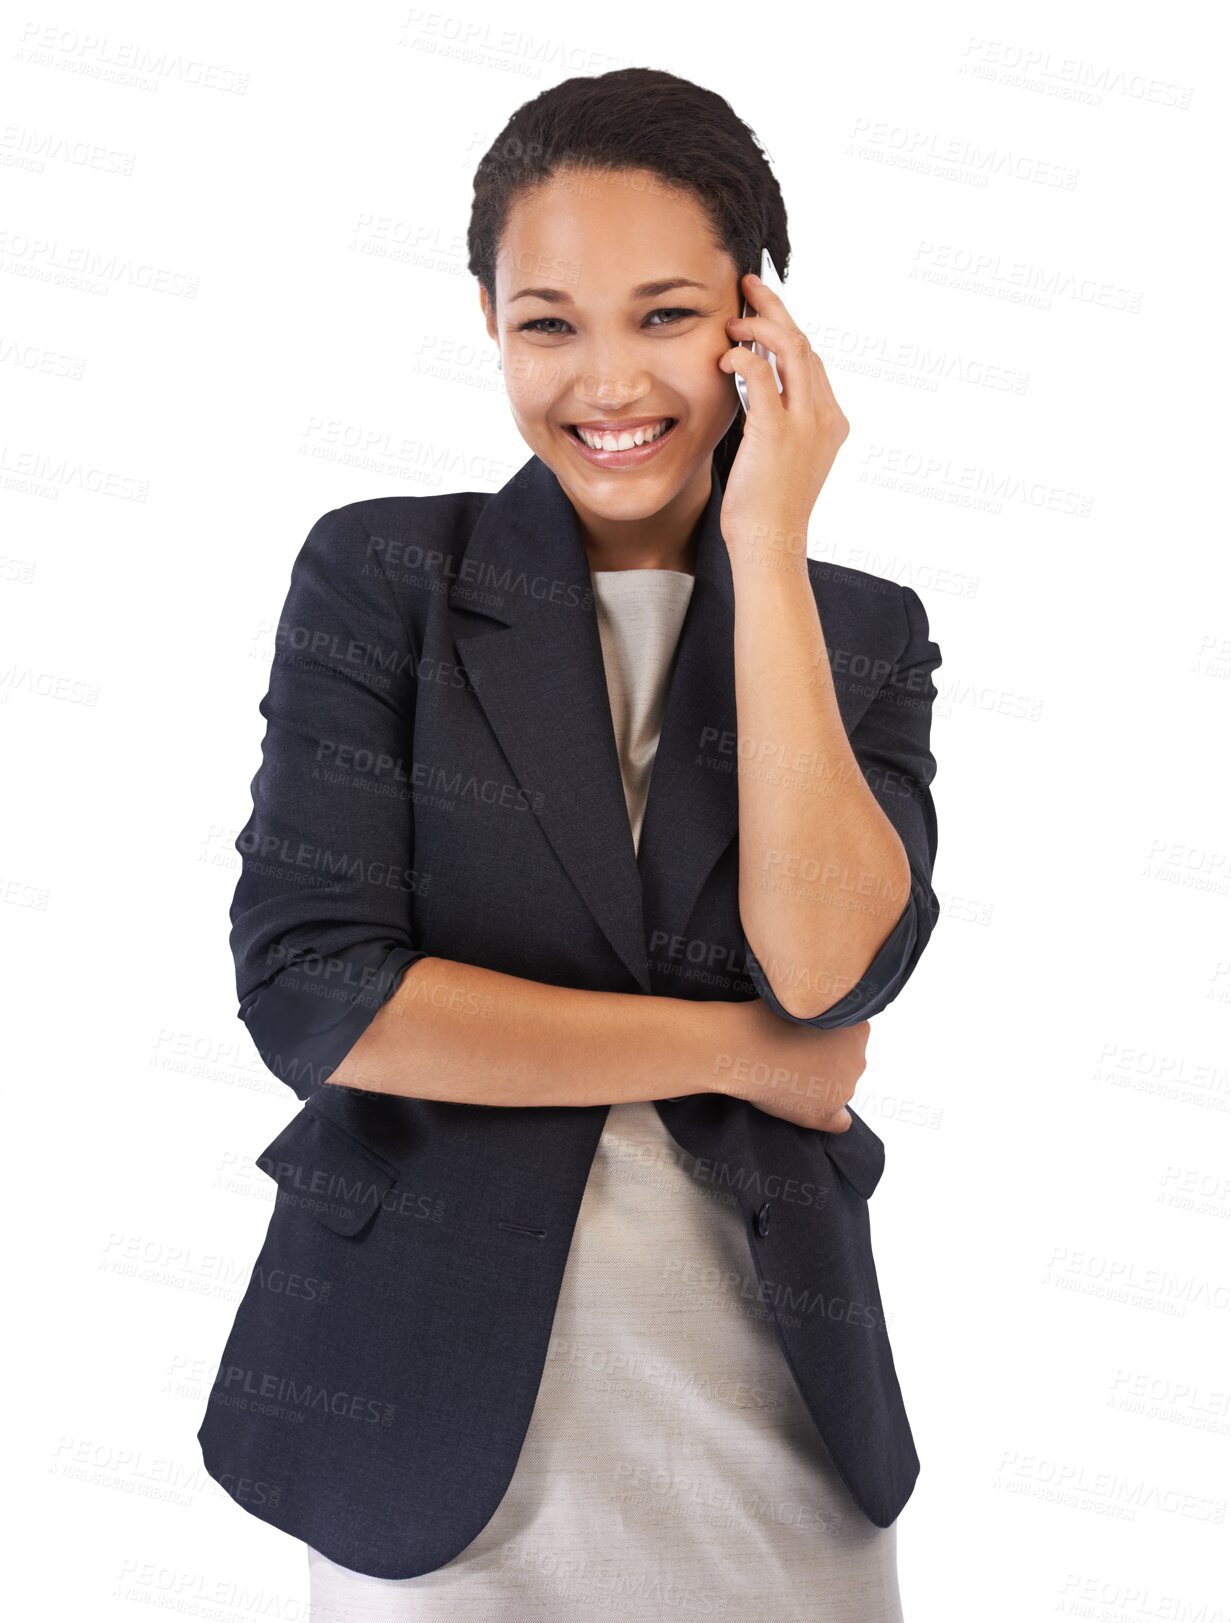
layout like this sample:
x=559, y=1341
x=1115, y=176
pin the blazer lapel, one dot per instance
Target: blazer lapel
x=537, y=671
x=692, y=808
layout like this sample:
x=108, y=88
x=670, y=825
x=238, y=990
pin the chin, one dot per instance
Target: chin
x=615, y=493
x=617, y=497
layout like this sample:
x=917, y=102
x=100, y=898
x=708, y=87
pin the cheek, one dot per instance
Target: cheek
x=527, y=402
x=700, y=381
x=532, y=383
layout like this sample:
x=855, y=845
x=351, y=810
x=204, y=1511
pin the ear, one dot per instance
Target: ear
x=489, y=315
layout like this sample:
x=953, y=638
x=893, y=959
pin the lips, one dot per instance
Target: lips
x=634, y=456
x=597, y=430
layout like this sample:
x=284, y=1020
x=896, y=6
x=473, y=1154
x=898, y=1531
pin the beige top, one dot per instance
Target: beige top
x=671, y=1468
x=640, y=616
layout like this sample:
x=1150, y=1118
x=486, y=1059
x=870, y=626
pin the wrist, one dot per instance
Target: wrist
x=777, y=547
x=689, y=1046
x=718, y=1039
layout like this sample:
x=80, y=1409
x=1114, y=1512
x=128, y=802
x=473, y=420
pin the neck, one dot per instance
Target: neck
x=665, y=540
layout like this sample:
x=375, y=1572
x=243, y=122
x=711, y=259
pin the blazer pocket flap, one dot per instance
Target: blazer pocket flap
x=325, y=1173
x=858, y=1154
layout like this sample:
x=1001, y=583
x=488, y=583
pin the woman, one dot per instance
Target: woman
x=568, y=1302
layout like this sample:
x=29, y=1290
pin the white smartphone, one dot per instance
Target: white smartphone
x=773, y=281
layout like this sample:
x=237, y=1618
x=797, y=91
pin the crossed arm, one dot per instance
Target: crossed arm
x=332, y=986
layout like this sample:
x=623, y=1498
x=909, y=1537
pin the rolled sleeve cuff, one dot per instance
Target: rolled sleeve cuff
x=307, y=1019
x=877, y=987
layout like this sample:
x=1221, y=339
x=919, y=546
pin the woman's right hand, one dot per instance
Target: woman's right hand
x=798, y=1072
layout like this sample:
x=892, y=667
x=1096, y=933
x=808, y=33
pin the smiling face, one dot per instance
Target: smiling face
x=611, y=299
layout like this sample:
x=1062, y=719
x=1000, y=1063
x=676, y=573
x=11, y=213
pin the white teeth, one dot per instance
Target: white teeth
x=624, y=441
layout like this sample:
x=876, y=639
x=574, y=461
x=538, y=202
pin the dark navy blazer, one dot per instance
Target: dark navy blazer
x=440, y=776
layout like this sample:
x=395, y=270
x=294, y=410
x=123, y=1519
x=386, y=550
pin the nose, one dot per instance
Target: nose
x=610, y=382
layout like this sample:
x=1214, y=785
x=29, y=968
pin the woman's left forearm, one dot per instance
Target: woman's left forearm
x=823, y=876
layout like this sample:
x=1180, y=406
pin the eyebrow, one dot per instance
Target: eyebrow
x=645, y=290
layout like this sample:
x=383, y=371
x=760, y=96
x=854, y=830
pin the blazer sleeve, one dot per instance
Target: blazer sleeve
x=892, y=743
x=320, y=919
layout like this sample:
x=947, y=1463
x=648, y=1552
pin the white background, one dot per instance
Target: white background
x=232, y=271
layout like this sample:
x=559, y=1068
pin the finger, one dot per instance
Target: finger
x=762, y=296
x=763, y=396
x=839, y=1122
x=792, y=341
x=790, y=348
x=824, y=394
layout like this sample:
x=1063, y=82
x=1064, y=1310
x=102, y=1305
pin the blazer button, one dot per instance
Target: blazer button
x=763, y=1220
